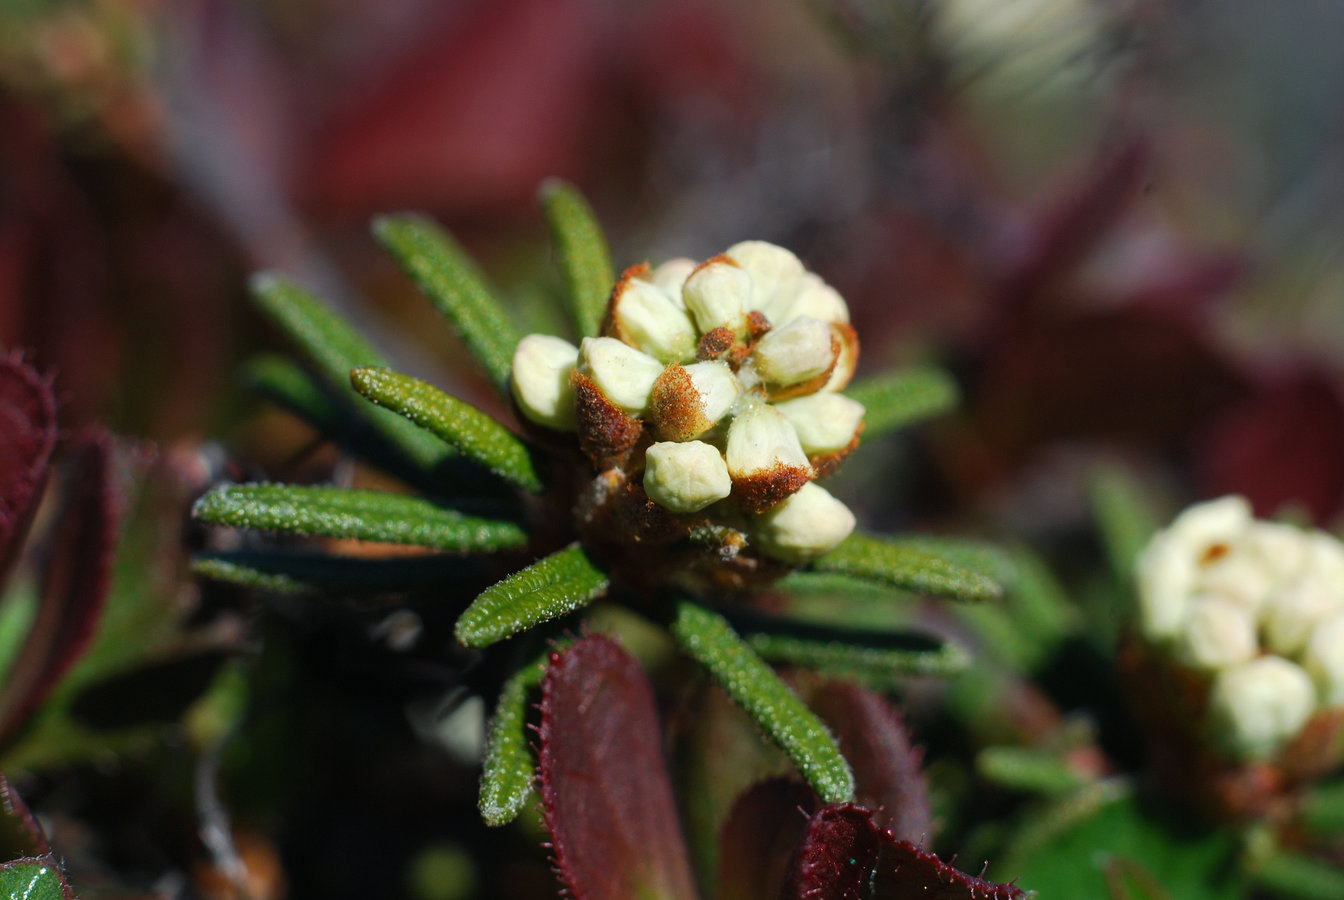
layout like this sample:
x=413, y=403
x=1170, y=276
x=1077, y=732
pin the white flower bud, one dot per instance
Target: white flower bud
x=1324, y=660
x=1325, y=558
x=1207, y=530
x=1218, y=633
x=685, y=477
x=1166, y=576
x=671, y=275
x=624, y=374
x=645, y=317
x=848, y=359
x=718, y=294
x=764, y=457
x=800, y=350
x=1283, y=548
x=1256, y=706
x=1240, y=575
x=812, y=297
x=540, y=380
x=806, y=525
x=1298, y=608
x=689, y=400
x=826, y=423
x=776, y=276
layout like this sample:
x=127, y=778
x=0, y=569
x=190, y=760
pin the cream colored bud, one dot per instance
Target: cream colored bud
x=1240, y=575
x=776, y=276
x=1257, y=706
x=761, y=440
x=813, y=297
x=625, y=375
x=1324, y=660
x=848, y=359
x=685, y=476
x=689, y=400
x=806, y=525
x=1166, y=577
x=1284, y=548
x=671, y=275
x=540, y=380
x=800, y=350
x=826, y=423
x=1207, y=530
x=1296, y=610
x=717, y=386
x=1218, y=633
x=718, y=294
x=645, y=317
x=1325, y=558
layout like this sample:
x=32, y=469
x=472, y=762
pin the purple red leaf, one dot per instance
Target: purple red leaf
x=604, y=787
x=28, y=426
x=760, y=837
x=906, y=871
x=837, y=856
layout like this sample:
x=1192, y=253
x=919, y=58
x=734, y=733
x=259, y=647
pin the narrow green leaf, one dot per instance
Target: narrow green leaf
x=1123, y=517
x=456, y=287
x=284, y=382
x=335, y=348
x=1029, y=770
x=306, y=573
x=897, y=399
x=905, y=564
x=27, y=879
x=508, y=775
x=351, y=513
x=585, y=260
x=1323, y=808
x=479, y=437
x=547, y=589
x=1287, y=874
x=754, y=686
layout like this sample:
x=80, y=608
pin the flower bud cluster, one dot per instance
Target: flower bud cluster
x=1257, y=607
x=713, y=394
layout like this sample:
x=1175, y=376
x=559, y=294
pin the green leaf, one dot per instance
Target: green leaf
x=897, y=399
x=1286, y=874
x=1123, y=517
x=351, y=513
x=452, y=282
x=711, y=641
x=30, y=880
x=906, y=564
x=1030, y=770
x=509, y=772
x=585, y=260
x=876, y=659
x=335, y=348
x=284, y=382
x=479, y=437
x=1323, y=808
x=547, y=589
x=307, y=573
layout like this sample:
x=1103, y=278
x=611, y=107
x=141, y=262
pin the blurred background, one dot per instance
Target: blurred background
x=1120, y=223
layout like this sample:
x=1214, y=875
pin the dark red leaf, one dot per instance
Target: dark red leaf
x=75, y=579
x=604, y=785
x=27, y=438
x=22, y=837
x=837, y=856
x=887, y=774
x=906, y=871
x=760, y=837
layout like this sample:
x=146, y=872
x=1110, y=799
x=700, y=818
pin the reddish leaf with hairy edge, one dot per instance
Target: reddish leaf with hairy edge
x=887, y=770
x=75, y=579
x=22, y=839
x=604, y=788
x=837, y=856
x=905, y=871
x=27, y=438
x=760, y=836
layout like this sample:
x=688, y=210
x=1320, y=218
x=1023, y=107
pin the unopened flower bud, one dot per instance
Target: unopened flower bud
x=799, y=351
x=671, y=275
x=808, y=524
x=645, y=317
x=1284, y=548
x=718, y=294
x=776, y=276
x=1166, y=575
x=625, y=375
x=1297, y=610
x=1324, y=660
x=685, y=477
x=825, y=423
x=1256, y=706
x=1218, y=633
x=847, y=361
x=689, y=400
x=1325, y=558
x=764, y=458
x=813, y=297
x=1239, y=575
x=1207, y=530
x=540, y=380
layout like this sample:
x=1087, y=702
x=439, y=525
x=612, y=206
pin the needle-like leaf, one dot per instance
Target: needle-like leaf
x=284, y=382
x=709, y=638
x=872, y=658
x=353, y=513
x=1125, y=520
x=479, y=437
x=509, y=770
x=456, y=287
x=545, y=590
x=906, y=564
x=309, y=573
x=585, y=260
x=897, y=399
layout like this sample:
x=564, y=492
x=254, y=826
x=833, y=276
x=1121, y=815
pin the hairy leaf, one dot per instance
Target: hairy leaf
x=365, y=515
x=74, y=581
x=286, y=383
x=1125, y=520
x=709, y=638
x=877, y=659
x=445, y=273
x=760, y=837
x=905, y=870
x=32, y=879
x=23, y=835
x=547, y=589
x=906, y=564
x=334, y=348
x=585, y=260
x=306, y=573
x=27, y=438
x=1027, y=769
x=479, y=437
x=897, y=399
x=604, y=785
x=509, y=770
x=837, y=856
